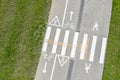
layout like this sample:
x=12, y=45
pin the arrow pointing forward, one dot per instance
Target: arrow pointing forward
x=71, y=15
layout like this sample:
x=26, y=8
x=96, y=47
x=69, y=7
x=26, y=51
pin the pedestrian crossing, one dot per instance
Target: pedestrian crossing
x=103, y=50
x=74, y=45
x=47, y=35
x=58, y=31
x=92, y=52
x=84, y=43
x=65, y=42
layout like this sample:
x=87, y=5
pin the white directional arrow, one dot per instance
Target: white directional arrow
x=87, y=67
x=95, y=27
x=44, y=70
x=71, y=15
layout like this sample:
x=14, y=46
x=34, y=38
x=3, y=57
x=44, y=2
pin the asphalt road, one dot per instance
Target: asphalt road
x=75, y=41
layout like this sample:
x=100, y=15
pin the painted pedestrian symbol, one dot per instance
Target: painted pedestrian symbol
x=55, y=22
x=95, y=27
x=62, y=60
x=87, y=67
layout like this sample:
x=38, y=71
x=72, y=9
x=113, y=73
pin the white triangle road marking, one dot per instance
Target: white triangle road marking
x=55, y=22
x=62, y=60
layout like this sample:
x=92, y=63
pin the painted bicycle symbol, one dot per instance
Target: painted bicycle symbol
x=47, y=57
x=69, y=25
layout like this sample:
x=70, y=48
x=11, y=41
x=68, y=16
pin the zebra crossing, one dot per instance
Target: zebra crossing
x=92, y=52
x=58, y=31
x=74, y=50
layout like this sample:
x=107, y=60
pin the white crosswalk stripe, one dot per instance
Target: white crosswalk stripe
x=58, y=31
x=47, y=35
x=103, y=50
x=85, y=37
x=65, y=42
x=74, y=45
x=92, y=52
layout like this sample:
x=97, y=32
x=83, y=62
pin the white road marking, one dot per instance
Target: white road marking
x=95, y=27
x=62, y=60
x=92, y=52
x=87, y=67
x=53, y=67
x=65, y=42
x=47, y=35
x=103, y=50
x=45, y=67
x=83, y=46
x=55, y=22
x=71, y=15
x=66, y=5
x=56, y=40
x=47, y=57
x=74, y=45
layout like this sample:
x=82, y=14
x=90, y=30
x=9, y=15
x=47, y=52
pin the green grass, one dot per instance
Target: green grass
x=22, y=27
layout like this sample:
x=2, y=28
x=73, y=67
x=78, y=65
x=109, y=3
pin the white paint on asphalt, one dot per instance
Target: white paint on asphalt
x=65, y=42
x=103, y=50
x=47, y=35
x=58, y=31
x=95, y=27
x=84, y=43
x=87, y=67
x=92, y=52
x=74, y=45
x=62, y=60
x=65, y=10
x=53, y=67
x=47, y=57
x=55, y=22
x=45, y=67
x=71, y=15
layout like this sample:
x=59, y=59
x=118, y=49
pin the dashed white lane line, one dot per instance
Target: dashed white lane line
x=74, y=45
x=84, y=43
x=65, y=42
x=103, y=50
x=92, y=52
x=58, y=31
x=45, y=43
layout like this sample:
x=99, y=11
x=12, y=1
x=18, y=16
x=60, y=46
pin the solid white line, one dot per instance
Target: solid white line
x=56, y=40
x=65, y=42
x=83, y=46
x=103, y=50
x=74, y=45
x=64, y=13
x=47, y=35
x=92, y=52
x=53, y=67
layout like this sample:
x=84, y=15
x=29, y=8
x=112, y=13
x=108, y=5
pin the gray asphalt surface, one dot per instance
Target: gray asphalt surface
x=75, y=40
